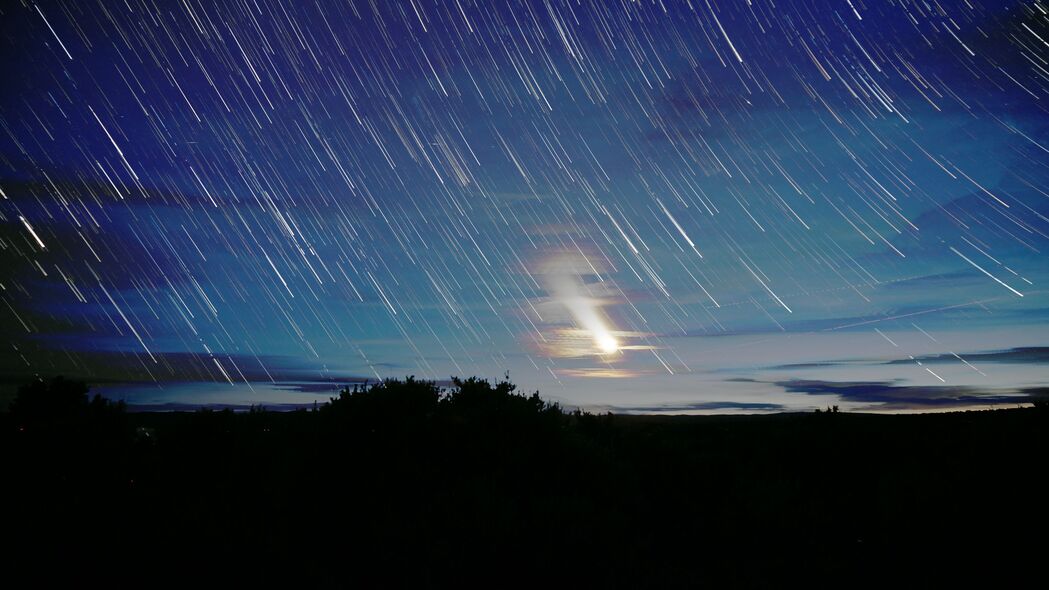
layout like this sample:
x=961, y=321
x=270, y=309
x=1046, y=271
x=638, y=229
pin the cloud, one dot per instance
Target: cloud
x=101, y=366
x=983, y=220
x=180, y=407
x=602, y=372
x=698, y=407
x=1026, y=355
x=888, y=395
x=814, y=365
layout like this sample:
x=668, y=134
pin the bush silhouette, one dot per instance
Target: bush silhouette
x=479, y=397
x=386, y=401
x=59, y=399
x=413, y=399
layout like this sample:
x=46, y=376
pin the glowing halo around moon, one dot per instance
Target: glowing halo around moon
x=606, y=342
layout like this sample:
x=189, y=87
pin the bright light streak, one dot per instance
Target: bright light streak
x=32, y=232
x=564, y=284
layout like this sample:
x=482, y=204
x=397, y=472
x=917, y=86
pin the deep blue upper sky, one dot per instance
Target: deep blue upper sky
x=650, y=205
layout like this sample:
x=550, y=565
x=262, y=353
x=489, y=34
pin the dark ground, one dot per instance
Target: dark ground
x=400, y=486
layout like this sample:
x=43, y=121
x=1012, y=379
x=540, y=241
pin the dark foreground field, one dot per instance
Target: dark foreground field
x=404, y=486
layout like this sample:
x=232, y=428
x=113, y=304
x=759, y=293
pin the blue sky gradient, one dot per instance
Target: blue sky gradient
x=641, y=206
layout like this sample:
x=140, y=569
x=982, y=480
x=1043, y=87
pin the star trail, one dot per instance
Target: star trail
x=630, y=205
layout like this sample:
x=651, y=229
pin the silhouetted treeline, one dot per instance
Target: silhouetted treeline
x=403, y=483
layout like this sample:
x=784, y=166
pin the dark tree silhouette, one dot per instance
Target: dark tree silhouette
x=51, y=399
x=59, y=399
x=404, y=482
x=392, y=397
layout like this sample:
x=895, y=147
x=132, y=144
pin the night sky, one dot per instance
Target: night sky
x=683, y=206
